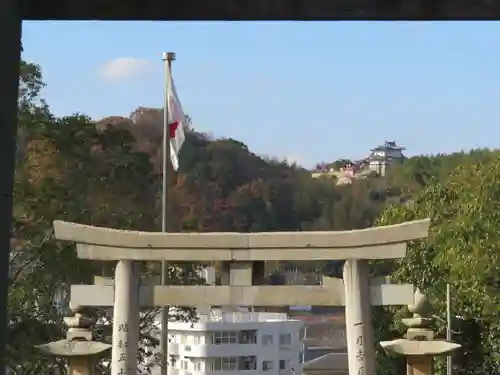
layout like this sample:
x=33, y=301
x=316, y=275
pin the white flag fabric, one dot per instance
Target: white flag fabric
x=175, y=123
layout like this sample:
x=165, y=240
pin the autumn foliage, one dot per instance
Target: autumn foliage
x=108, y=173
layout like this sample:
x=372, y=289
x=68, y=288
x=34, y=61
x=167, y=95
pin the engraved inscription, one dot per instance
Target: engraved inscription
x=122, y=359
x=122, y=344
x=359, y=340
x=360, y=355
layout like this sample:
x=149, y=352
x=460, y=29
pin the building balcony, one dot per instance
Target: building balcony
x=234, y=372
x=210, y=350
x=174, y=348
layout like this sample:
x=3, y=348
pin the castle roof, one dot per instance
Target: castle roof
x=388, y=145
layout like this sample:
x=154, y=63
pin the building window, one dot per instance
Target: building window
x=285, y=339
x=267, y=339
x=187, y=348
x=217, y=364
x=267, y=365
x=229, y=363
x=225, y=337
x=210, y=364
x=247, y=337
x=282, y=364
x=225, y=364
x=184, y=365
x=247, y=363
x=197, y=366
x=208, y=338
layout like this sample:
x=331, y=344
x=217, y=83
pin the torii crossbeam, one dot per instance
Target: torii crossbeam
x=240, y=250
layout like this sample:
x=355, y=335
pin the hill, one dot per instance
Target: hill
x=107, y=173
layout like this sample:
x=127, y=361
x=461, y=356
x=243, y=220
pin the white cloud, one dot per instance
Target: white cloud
x=123, y=68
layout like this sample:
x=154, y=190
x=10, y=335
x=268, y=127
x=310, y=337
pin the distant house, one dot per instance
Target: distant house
x=323, y=328
x=294, y=276
x=379, y=161
x=383, y=156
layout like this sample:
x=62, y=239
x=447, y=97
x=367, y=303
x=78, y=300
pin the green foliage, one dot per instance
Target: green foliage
x=464, y=251
x=340, y=163
x=30, y=83
x=419, y=171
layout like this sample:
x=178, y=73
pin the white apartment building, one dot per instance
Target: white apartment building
x=235, y=343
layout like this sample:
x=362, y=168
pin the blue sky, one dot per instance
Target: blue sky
x=308, y=91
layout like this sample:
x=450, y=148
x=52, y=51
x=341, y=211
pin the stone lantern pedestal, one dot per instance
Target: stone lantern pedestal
x=419, y=346
x=78, y=348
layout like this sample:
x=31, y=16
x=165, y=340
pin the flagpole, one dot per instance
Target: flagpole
x=167, y=58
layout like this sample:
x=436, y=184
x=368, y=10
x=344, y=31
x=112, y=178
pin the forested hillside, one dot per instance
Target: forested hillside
x=108, y=174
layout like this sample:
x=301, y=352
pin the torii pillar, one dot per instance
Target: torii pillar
x=359, y=328
x=124, y=352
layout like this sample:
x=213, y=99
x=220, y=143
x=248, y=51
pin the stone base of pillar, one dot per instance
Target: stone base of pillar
x=419, y=366
x=80, y=366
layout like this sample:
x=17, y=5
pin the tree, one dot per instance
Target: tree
x=464, y=250
x=340, y=163
x=69, y=169
x=417, y=172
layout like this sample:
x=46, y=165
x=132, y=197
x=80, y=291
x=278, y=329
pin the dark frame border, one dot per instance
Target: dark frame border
x=10, y=45
x=259, y=9
x=13, y=11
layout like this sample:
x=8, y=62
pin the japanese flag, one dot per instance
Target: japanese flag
x=175, y=123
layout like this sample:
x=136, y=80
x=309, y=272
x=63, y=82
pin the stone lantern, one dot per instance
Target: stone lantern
x=419, y=345
x=78, y=348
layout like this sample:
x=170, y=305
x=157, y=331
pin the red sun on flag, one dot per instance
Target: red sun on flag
x=173, y=128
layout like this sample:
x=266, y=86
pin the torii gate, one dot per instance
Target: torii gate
x=240, y=251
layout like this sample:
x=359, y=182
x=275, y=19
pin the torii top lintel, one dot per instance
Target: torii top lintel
x=113, y=244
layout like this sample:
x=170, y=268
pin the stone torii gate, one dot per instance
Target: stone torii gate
x=240, y=251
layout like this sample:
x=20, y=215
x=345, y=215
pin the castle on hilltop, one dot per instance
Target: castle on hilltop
x=383, y=156
x=378, y=162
